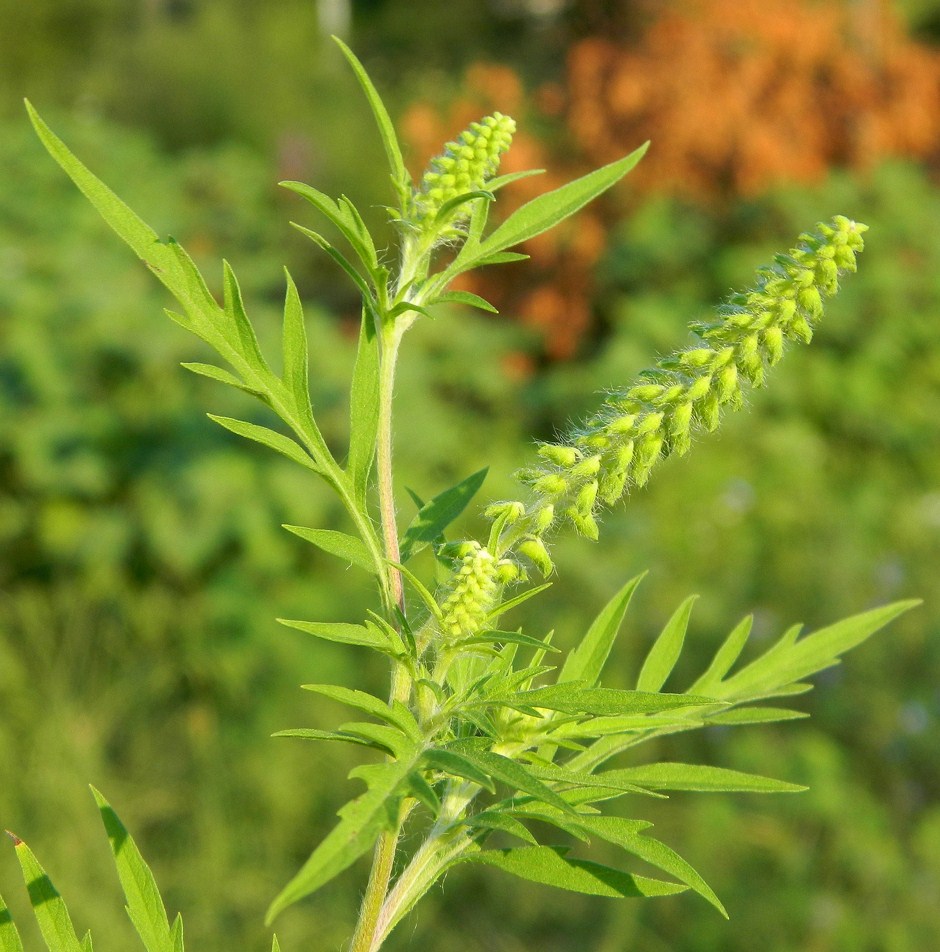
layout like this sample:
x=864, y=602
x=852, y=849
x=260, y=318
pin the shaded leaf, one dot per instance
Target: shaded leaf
x=456, y=765
x=48, y=906
x=9, y=936
x=144, y=903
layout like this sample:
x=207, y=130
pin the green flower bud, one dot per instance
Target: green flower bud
x=587, y=494
x=585, y=524
x=509, y=512
x=679, y=426
x=534, y=550
x=465, y=166
x=586, y=468
x=560, y=455
x=543, y=518
x=473, y=593
x=773, y=343
x=551, y=484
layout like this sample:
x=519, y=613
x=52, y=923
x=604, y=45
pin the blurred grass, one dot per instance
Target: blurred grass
x=142, y=564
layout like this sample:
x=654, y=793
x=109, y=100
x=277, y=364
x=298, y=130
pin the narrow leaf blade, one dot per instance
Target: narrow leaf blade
x=144, y=903
x=704, y=779
x=666, y=649
x=340, y=544
x=435, y=516
x=9, y=936
x=364, y=406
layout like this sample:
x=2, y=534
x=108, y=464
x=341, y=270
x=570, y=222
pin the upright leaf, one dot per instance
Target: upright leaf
x=340, y=544
x=382, y=119
x=9, y=937
x=294, y=348
x=587, y=660
x=548, y=210
x=48, y=906
x=144, y=903
x=270, y=438
x=666, y=649
x=364, y=407
x=435, y=516
x=725, y=656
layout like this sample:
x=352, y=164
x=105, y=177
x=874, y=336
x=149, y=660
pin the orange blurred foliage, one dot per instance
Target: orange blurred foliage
x=737, y=95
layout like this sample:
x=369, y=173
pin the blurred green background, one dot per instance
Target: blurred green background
x=141, y=559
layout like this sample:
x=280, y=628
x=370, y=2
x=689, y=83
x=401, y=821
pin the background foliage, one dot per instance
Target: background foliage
x=142, y=564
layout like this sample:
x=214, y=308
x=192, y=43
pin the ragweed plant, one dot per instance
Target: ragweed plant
x=488, y=736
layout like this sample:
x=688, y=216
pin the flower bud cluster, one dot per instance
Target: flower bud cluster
x=474, y=588
x=635, y=428
x=464, y=166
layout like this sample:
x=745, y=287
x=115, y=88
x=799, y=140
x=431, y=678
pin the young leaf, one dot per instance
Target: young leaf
x=294, y=349
x=275, y=946
x=342, y=632
x=509, y=772
x=361, y=821
x=587, y=660
x=755, y=715
x=178, y=933
x=550, y=866
x=314, y=733
x=383, y=121
x=666, y=649
x=435, y=516
x=549, y=209
x=364, y=407
x=675, y=776
x=340, y=544
x=490, y=820
x=270, y=438
x=457, y=765
x=144, y=903
x=9, y=936
x=464, y=297
x=222, y=376
x=235, y=312
x=48, y=906
x=510, y=603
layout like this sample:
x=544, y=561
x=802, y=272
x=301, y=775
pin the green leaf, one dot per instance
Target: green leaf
x=144, y=903
x=270, y=438
x=675, y=776
x=9, y=937
x=516, y=600
x=275, y=946
x=494, y=636
x=178, y=933
x=222, y=376
x=341, y=632
x=294, y=349
x=383, y=121
x=48, y=906
x=493, y=820
x=235, y=312
x=755, y=715
x=549, y=209
x=340, y=544
x=666, y=649
x=364, y=407
x=509, y=772
x=314, y=733
x=576, y=699
x=435, y=516
x=339, y=258
x=464, y=297
x=162, y=258
x=725, y=657
x=587, y=660
x=457, y=765
x=501, y=181
x=815, y=652
x=623, y=833
x=398, y=715
x=550, y=866
x=361, y=822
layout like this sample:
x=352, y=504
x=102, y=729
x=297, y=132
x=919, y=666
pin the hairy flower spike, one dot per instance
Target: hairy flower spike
x=464, y=166
x=620, y=444
x=473, y=592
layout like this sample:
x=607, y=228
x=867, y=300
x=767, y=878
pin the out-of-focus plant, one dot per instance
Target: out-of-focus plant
x=477, y=745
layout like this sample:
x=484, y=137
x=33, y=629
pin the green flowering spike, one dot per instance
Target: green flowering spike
x=619, y=446
x=465, y=166
x=473, y=592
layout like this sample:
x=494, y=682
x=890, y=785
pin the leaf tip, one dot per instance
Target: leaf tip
x=16, y=840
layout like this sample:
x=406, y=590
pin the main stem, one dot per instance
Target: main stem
x=365, y=937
